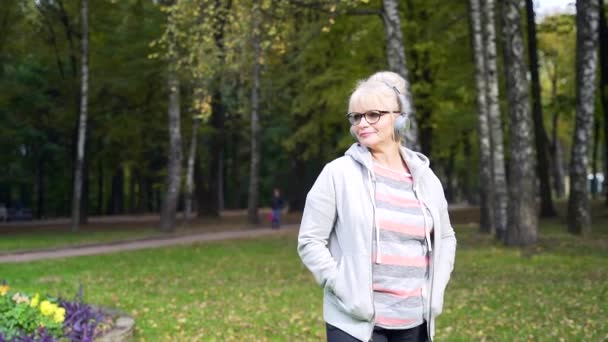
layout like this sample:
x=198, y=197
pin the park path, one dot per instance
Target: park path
x=114, y=247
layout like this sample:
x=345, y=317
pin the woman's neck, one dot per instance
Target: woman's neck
x=389, y=157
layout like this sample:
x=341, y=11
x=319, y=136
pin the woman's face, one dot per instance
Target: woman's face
x=375, y=135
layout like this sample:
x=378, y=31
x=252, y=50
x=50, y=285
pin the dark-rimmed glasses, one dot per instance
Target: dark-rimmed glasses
x=371, y=116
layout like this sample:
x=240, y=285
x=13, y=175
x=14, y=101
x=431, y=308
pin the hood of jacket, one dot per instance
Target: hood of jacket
x=417, y=162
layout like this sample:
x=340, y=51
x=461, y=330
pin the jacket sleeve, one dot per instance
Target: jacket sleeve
x=445, y=264
x=317, y=224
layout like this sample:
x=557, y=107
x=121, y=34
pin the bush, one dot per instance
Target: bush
x=26, y=318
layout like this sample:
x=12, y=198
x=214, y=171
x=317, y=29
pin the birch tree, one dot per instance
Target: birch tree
x=579, y=211
x=541, y=140
x=174, y=165
x=254, y=168
x=523, y=219
x=82, y=120
x=189, y=190
x=483, y=131
x=499, y=179
x=174, y=158
x=555, y=36
x=603, y=38
x=395, y=54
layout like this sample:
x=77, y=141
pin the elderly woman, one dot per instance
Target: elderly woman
x=375, y=232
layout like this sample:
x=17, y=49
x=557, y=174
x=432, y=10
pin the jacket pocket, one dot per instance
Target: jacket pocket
x=437, y=301
x=351, y=288
x=437, y=305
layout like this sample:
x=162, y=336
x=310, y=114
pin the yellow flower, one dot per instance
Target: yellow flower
x=59, y=315
x=34, y=302
x=4, y=290
x=47, y=308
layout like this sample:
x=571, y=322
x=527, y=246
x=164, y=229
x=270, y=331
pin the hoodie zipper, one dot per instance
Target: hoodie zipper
x=432, y=263
x=427, y=234
x=372, y=190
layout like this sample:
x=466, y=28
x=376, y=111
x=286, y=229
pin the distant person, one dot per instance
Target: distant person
x=277, y=205
x=375, y=231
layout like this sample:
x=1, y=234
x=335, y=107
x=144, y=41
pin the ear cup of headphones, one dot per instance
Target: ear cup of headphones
x=402, y=124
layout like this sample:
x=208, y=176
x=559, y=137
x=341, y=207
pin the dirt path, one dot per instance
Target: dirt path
x=142, y=244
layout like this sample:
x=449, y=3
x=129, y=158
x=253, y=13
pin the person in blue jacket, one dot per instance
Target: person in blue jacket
x=277, y=205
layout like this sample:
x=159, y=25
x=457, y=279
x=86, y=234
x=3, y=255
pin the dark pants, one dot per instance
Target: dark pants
x=416, y=334
x=276, y=218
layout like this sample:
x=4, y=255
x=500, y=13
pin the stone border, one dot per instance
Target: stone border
x=122, y=329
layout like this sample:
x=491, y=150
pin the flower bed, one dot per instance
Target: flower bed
x=28, y=318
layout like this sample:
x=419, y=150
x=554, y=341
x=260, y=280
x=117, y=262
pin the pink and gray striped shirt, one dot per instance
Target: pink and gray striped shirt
x=402, y=269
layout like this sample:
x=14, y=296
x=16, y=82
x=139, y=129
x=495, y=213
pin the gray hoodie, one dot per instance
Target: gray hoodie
x=335, y=239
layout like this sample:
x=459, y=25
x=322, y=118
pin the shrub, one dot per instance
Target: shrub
x=25, y=318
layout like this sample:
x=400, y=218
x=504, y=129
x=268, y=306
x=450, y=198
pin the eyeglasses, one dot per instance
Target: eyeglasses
x=371, y=116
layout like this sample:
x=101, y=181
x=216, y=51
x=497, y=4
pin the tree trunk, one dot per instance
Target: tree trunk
x=395, y=54
x=190, y=172
x=523, y=218
x=82, y=121
x=100, y=188
x=486, y=224
x=450, y=191
x=558, y=169
x=220, y=180
x=132, y=191
x=252, y=205
x=604, y=88
x=556, y=147
x=116, y=205
x=465, y=176
x=174, y=166
x=579, y=211
x=40, y=187
x=596, y=143
x=499, y=179
x=543, y=164
x=84, y=200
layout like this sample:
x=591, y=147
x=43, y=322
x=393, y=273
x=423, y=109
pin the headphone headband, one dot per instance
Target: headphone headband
x=403, y=104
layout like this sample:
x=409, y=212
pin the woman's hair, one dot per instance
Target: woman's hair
x=376, y=92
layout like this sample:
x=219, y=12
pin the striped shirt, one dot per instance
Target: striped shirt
x=401, y=256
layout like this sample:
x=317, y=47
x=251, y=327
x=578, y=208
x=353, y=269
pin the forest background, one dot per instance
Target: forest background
x=257, y=91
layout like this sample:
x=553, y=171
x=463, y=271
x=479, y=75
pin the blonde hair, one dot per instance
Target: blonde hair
x=376, y=92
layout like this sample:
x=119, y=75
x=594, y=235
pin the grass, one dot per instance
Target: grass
x=38, y=235
x=50, y=240
x=257, y=290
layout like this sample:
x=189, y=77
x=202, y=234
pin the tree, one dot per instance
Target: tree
x=252, y=203
x=603, y=40
x=499, y=179
x=189, y=190
x=579, y=211
x=485, y=159
x=174, y=166
x=523, y=220
x=395, y=54
x=541, y=140
x=82, y=121
x=555, y=41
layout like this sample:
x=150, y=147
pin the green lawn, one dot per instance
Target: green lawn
x=257, y=290
x=50, y=240
x=35, y=235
